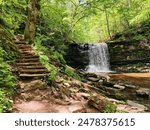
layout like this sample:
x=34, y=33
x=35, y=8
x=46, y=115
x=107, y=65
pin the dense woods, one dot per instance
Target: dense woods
x=50, y=26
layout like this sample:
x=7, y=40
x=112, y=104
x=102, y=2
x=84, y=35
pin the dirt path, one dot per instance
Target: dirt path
x=50, y=99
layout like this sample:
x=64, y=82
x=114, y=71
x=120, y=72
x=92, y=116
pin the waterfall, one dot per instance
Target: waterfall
x=98, y=57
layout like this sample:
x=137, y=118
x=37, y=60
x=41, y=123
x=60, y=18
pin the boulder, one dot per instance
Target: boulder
x=35, y=84
x=143, y=92
x=101, y=104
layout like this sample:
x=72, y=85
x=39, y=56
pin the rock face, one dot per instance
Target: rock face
x=77, y=55
x=129, y=56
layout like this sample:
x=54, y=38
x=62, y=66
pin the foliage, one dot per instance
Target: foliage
x=110, y=108
x=58, y=57
x=71, y=72
x=53, y=74
x=6, y=77
x=7, y=83
x=13, y=13
x=5, y=101
x=11, y=16
x=79, y=20
x=44, y=59
x=136, y=33
x=88, y=20
x=45, y=56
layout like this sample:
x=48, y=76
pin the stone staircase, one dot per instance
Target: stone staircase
x=28, y=64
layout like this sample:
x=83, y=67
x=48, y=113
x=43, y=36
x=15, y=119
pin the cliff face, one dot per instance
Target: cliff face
x=130, y=51
x=77, y=55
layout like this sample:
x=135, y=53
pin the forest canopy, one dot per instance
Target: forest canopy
x=78, y=20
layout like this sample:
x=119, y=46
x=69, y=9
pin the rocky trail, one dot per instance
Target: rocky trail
x=67, y=95
x=34, y=95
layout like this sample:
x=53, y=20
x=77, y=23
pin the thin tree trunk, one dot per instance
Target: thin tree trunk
x=32, y=21
x=107, y=23
x=127, y=21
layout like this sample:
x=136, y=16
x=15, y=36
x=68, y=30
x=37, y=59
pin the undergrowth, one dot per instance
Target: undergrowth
x=71, y=72
x=54, y=62
x=7, y=83
x=44, y=59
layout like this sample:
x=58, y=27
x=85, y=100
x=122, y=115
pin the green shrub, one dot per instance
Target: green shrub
x=70, y=72
x=6, y=77
x=58, y=57
x=53, y=74
x=5, y=102
x=110, y=108
x=44, y=59
x=53, y=71
x=7, y=83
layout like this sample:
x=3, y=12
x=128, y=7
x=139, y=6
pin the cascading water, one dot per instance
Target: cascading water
x=98, y=57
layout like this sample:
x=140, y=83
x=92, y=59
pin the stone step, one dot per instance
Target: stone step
x=28, y=56
x=33, y=71
x=25, y=49
x=23, y=46
x=27, y=53
x=22, y=60
x=32, y=67
x=28, y=64
x=24, y=55
x=20, y=42
x=32, y=75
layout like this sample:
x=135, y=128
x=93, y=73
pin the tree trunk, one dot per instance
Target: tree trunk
x=107, y=21
x=32, y=21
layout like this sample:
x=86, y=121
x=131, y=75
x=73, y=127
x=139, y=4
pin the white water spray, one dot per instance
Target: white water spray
x=99, y=58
